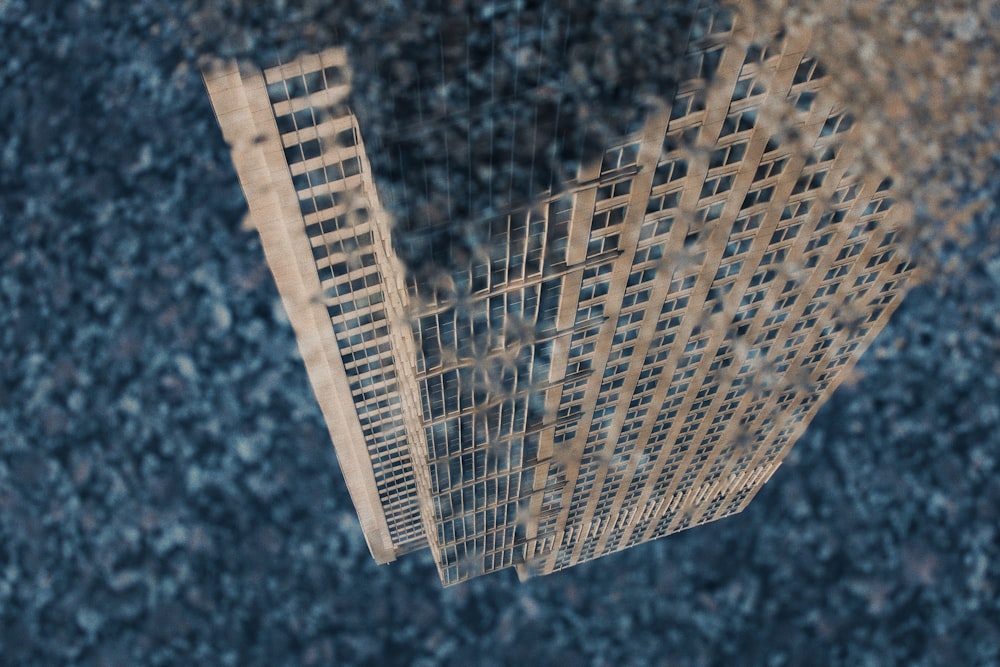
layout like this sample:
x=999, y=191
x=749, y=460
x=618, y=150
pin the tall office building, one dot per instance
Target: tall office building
x=630, y=353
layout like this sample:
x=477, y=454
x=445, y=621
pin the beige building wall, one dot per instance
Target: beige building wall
x=301, y=161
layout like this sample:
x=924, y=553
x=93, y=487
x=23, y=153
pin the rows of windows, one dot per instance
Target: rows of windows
x=337, y=223
x=785, y=399
x=671, y=170
x=478, y=523
x=327, y=174
x=312, y=116
x=787, y=232
x=309, y=83
x=486, y=328
x=480, y=367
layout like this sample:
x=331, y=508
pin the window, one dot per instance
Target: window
x=601, y=245
x=758, y=54
x=613, y=190
x=670, y=171
x=654, y=228
x=304, y=151
x=710, y=63
x=809, y=182
x=834, y=124
x=785, y=233
x=675, y=141
x=808, y=70
x=760, y=196
x=737, y=247
x=844, y=195
x=794, y=210
x=614, y=216
x=663, y=202
x=727, y=155
x=770, y=169
x=716, y=186
x=748, y=86
x=747, y=223
x=617, y=158
x=739, y=122
x=707, y=214
x=688, y=103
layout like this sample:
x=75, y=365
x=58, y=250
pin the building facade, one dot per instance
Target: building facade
x=632, y=354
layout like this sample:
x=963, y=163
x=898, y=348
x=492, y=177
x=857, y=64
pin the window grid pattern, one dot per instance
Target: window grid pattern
x=749, y=283
x=321, y=141
x=729, y=411
x=486, y=336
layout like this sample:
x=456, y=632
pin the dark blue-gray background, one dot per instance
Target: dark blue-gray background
x=168, y=493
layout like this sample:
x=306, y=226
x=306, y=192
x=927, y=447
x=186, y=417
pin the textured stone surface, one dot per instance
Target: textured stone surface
x=168, y=496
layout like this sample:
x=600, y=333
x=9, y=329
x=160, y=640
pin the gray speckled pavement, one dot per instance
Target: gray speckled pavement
x=168, y=494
